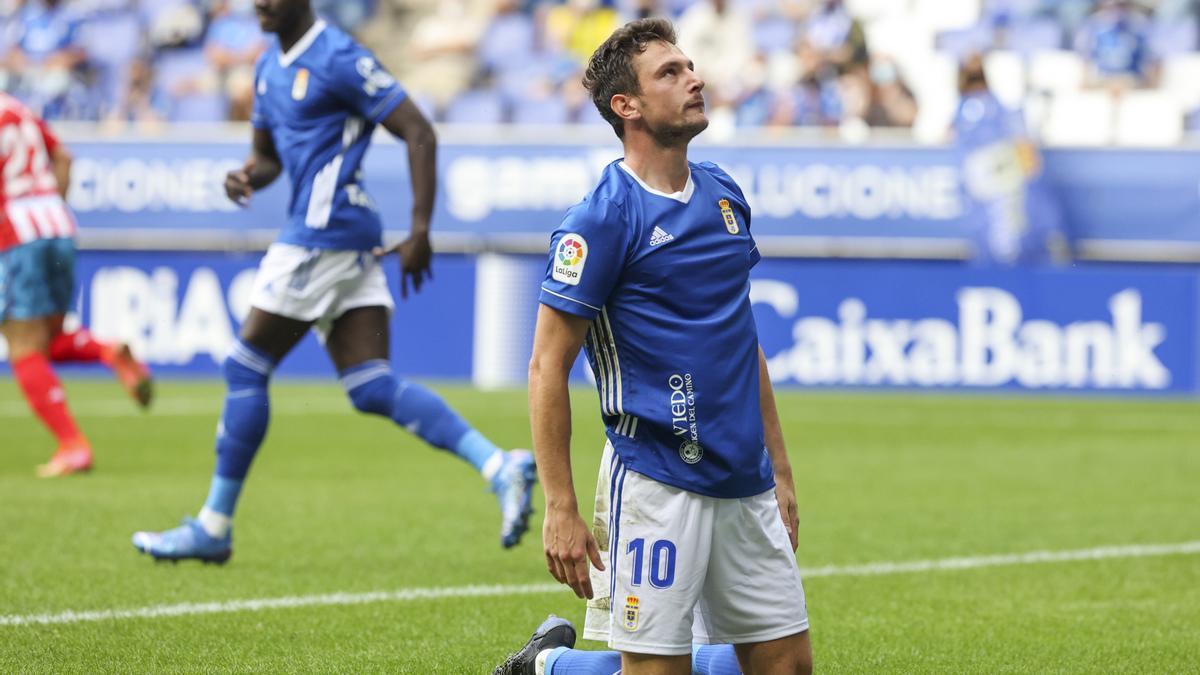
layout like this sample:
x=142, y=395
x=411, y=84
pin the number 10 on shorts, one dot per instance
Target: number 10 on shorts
x=662, y=562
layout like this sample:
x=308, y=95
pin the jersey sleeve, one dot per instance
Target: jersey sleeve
x=728, y=182
x=48, y=138
x=587, y=255
x=366, y=86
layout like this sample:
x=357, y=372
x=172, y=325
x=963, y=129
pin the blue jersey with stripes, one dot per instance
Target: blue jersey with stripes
x=665, y=280
x=320, y=101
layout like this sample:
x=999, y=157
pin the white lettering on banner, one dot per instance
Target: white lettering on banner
x=130, y=305
x=131, y=185
x=479, y=186
x=991, y=345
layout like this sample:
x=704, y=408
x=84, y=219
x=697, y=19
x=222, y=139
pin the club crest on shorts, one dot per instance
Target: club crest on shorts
x=691, y=452
x=300, y=85
x=569, y=259
x=629, y=619
x=731, y=223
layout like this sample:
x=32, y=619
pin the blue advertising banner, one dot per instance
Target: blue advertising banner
x=865, y=192
x=180, y=312
x=1134, y=330
x=927, y=325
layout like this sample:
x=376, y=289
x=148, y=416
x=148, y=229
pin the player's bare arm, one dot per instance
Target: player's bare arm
x=260, y=170
x=60, y=163
x=567, y=539
x=407, y=123
x=785, y=486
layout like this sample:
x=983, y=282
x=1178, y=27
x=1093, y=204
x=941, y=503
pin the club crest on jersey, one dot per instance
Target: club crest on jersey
x=629, y=618
x=569, y=259
x=691, y=452
x=375, y=78
x=731, y=223
x=300, y=85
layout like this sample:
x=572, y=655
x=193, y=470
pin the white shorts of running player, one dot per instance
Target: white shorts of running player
x=686, y=568
x=309, y=284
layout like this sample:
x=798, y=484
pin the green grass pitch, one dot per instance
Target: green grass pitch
x=342, y=503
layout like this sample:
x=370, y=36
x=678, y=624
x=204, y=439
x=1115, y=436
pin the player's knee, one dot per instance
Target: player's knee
x=245, y=367
x=371, y=389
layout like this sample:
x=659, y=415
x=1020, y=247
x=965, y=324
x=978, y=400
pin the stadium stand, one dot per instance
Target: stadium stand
x=1090, y=72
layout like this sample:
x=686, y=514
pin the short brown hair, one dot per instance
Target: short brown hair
x=610, y=70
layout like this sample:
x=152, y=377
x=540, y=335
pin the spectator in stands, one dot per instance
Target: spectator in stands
x=44, y=50
x=186, y=87
x=891, y=102
x=836, y=36
x=232, y=45
x=1115, y=39
x=577, y=27
x=1013, y=215
x=719, y=38
x=442, y=45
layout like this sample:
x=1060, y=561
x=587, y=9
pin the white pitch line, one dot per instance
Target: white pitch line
x=183, y=407
x=411, y=594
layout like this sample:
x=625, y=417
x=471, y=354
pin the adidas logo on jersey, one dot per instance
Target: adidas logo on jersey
x=660, y=236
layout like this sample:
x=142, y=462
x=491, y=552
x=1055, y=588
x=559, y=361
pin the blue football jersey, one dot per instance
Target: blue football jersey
x=665, y=281
x=321, y=101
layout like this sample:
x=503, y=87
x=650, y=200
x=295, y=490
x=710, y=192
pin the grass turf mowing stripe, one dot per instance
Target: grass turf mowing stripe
x=406, y=595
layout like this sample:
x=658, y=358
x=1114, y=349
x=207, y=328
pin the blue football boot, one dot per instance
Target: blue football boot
x=554, y=632
x=189, y=541
x=513, y=487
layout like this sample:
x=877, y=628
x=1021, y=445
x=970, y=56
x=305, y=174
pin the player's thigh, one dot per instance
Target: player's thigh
x=791, y=655
x=27, y=336
x=59, y=260
x=658, y=556
x=753, y=592
x=358, y=336
x=596, y=618
x=647, y=664
x=272, y=334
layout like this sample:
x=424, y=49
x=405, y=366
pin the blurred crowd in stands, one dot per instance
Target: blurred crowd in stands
x=768, y=63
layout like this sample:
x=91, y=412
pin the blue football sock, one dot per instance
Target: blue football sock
x=243, y=422
x=563, y=661
x=714, y=660
x=374, y=389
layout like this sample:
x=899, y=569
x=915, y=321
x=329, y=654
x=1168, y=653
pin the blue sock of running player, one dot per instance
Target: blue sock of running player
x=374, y=389
x=243, y=426
x=564, y=661
x=714, y=660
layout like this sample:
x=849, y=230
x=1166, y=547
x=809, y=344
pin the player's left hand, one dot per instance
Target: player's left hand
x=415, y=256
x=785, y=494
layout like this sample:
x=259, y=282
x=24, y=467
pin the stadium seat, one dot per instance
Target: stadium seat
x=1170, y=38
x=551, y=110
x=873, y=9
x=1080, y=118
x=476, y=107
x=947, y=14
x=1056, y=71
x=935, y=86
x=1006, y=76
x=1036, y=35
x=1181, y=79
x=1149, y=118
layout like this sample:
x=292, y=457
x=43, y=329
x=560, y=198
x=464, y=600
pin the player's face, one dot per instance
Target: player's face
x=277, y=15
x=672, y=105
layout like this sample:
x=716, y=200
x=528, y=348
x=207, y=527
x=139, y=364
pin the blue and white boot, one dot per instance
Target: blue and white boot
x=189, y=541
x=513, y=487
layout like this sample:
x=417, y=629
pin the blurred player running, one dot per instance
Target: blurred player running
x=318, y=98
x=37, y=283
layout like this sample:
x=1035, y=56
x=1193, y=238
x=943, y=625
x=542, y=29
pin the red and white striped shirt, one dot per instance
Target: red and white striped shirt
x=30, y=205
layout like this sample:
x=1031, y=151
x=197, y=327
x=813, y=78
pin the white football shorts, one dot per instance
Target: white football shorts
x=689, y=568
x=309, y=284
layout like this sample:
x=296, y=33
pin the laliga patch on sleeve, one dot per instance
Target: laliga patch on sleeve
x=569, y=259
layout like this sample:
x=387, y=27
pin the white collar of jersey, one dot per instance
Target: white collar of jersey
x=289, y=57
x=684, y=196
